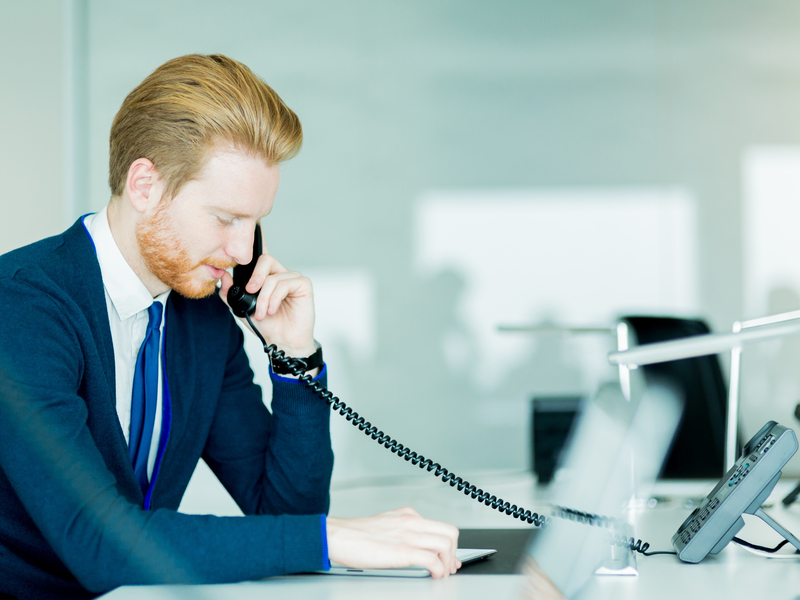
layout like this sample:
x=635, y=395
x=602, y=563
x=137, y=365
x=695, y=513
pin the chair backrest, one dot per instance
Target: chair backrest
x=698, y=450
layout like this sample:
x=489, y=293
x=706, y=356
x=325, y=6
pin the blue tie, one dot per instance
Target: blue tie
x=145, y=396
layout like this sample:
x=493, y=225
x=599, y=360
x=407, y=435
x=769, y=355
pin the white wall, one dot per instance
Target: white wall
x=31, y=121
x=770, y=387
x=401, y=99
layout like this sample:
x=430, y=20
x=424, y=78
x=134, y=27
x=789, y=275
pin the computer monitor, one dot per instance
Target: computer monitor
x=615, y=455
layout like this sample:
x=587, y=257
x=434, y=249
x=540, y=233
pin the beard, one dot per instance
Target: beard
x=165, y=253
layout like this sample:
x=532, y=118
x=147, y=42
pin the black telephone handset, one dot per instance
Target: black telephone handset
x=243, y=304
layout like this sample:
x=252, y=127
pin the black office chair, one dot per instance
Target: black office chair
x=698, y=450
x=795, y=493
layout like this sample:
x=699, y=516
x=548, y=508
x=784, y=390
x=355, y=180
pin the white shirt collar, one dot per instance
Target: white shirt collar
x=127, y=292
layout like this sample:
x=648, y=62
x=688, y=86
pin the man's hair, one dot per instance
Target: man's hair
x=190, y=104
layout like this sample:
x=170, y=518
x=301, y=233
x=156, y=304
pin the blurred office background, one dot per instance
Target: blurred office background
x=466, y=164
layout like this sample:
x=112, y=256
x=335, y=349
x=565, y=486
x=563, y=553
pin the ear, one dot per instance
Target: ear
x=143, y=186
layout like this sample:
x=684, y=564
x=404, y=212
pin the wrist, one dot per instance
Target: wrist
x=332, y=528
x=309, y=360
x=299, y=351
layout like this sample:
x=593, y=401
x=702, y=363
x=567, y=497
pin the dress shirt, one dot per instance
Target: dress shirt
x=127, y=301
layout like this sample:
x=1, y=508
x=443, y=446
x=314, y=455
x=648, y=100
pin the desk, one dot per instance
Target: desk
x=734, y=573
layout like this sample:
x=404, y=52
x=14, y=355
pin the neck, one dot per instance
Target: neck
x=123, y=228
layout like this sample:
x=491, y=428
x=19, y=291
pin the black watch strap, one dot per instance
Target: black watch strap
x=309, y=363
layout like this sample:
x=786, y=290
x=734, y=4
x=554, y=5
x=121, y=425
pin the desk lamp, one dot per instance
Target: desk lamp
x=773, y=327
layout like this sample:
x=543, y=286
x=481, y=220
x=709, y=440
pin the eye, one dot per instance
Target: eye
x=223, y=220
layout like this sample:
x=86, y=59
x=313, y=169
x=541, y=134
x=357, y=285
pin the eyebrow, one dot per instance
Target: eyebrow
x=233, y=213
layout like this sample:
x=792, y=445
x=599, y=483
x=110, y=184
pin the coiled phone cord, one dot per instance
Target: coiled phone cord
x=610, y=523
x=297, y=368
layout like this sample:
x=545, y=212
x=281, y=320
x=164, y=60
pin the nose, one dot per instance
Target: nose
x=240, y=246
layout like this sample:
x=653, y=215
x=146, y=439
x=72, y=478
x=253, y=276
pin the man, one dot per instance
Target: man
x=121, y=366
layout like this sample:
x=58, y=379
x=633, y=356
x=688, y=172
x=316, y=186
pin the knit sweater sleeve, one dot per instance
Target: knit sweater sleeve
x=57, y=485
x=277, y=462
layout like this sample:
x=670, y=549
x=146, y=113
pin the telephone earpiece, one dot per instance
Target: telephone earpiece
x=241, y=302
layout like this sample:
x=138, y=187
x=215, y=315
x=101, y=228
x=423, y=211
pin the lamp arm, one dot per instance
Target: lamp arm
x=701, y=345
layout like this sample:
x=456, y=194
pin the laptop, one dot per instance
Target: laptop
x=465, y=555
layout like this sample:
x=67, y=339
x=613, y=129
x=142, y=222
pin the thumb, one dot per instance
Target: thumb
x=225, y=284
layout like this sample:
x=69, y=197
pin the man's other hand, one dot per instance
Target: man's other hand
x=394, y=539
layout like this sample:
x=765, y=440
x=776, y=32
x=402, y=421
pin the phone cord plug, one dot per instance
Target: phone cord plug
x=297, y=368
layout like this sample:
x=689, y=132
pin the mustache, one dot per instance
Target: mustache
x=219, y=264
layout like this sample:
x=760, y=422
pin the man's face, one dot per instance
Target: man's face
x=188, y=242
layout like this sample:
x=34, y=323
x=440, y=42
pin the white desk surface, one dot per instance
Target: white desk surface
x=734, y=573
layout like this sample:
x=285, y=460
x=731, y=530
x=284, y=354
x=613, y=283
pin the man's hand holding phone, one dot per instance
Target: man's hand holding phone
x=284, y=309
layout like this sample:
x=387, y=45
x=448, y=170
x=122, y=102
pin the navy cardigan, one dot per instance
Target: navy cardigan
x=72, y=522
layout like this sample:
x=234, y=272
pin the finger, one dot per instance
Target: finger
x=267, y=265
x=443, y=541
x=282, y=289
x=276, y=288
x=454, y=566
x=450, y=559
x=416, y=522
x=438, y=528
x=438, y=544
x=413, y=523
x=225, y=284
x=404, y=510
x=268, y=288
x=428, y=560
